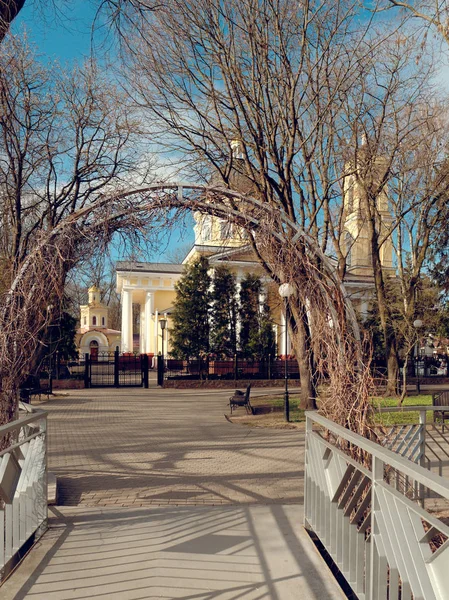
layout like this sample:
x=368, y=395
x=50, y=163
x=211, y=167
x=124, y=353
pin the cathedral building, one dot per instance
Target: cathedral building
x=151, y=285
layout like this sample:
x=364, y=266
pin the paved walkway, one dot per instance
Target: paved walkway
x=161, y=497
x=135, y=447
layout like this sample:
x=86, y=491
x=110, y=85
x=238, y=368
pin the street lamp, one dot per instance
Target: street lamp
x=417, y=325
x=50, y=348
x=285, y=291
x=163, y=324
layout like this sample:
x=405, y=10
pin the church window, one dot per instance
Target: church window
x=350, y=196
x=102, y=321
x=85, y=321
x=206, y=229
x=349, y=241
x=225, y=230
x=94, y=320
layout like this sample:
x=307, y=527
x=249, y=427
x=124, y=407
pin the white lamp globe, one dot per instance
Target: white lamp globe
x=286, y=290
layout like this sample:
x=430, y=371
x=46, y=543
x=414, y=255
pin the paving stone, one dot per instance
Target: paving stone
x=161, y=497
x=150, y=446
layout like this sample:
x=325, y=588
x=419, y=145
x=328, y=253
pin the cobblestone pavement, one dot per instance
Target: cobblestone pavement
x=132, y=465
x=136, y=447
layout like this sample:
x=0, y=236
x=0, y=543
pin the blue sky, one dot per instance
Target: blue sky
x=65, y=36
x=69, y=37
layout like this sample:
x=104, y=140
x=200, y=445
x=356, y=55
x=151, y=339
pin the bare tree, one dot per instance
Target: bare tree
x=299, y=87
x=64, y=139
x=23, y=314
x=120, y=13
x=9, y=9
x=432, y=14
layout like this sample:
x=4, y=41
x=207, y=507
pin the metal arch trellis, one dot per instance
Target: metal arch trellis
x=291, y=253
x=248, y=221
x=174, y=197
x=222, y=210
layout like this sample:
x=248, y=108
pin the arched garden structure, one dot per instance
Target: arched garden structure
x=322, y=324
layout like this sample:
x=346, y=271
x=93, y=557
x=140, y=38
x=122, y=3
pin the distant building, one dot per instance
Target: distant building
x=151, y=285
x=94, y=337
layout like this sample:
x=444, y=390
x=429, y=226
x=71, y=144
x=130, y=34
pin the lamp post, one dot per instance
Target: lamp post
x=163, y=324
x=285, y=291
x=417, y=325
x=50, y=348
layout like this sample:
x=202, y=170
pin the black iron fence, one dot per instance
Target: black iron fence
x=102, y=369
x=235, y=368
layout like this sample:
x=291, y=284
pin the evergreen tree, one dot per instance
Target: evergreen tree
x=65, y=337
x=250, y=288
x=190, y=331
x=223, y=335
x=265, y=343
x=256, y=330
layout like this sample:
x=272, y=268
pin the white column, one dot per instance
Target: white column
x=142, y=330
x=262, y=297
x=127, y=321
x=238, y=325
x=156, y=327
x=285, y=334
x=364, y=309
x=277, y=341
x=166, y=336
x=148, y=311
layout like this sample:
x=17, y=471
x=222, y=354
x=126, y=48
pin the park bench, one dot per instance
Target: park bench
x=32, y=387
x=440, y=399
x=241, y=399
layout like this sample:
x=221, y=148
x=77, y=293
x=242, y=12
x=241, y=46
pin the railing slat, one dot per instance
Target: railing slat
x=349, y=503
x=28, y=511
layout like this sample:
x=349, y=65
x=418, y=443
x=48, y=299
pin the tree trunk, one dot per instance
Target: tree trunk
x=304, y=354
x=9, y=9
x=391, y=350
x=392, y=369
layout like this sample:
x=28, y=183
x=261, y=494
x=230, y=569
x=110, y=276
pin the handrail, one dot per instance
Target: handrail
x=416, y=472
x=23, y=510
x=371, y=518
x=38, y=413
x=408, y=408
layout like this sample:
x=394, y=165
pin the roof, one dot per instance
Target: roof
x=147, y=267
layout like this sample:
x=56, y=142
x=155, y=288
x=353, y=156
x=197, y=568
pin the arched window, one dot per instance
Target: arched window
x=225, y=230
x=206, y=229
x=94, y=320
x=349, y=242
x=349, y=195
x=85, y=321
x=102, y=321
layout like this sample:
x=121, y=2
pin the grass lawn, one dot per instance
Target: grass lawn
x=400, y=418
x=274, y=420
x=298, y=416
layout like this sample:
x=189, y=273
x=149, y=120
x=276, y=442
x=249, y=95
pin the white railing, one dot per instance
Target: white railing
x=23, y=486
x=384, y=543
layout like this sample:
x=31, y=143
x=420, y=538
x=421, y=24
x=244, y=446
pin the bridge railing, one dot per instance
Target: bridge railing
x=23, y=486
x=363, y=502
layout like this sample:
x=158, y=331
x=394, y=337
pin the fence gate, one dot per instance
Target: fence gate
x=112, y=369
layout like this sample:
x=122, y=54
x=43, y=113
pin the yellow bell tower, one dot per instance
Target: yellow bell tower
x=356, y=240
